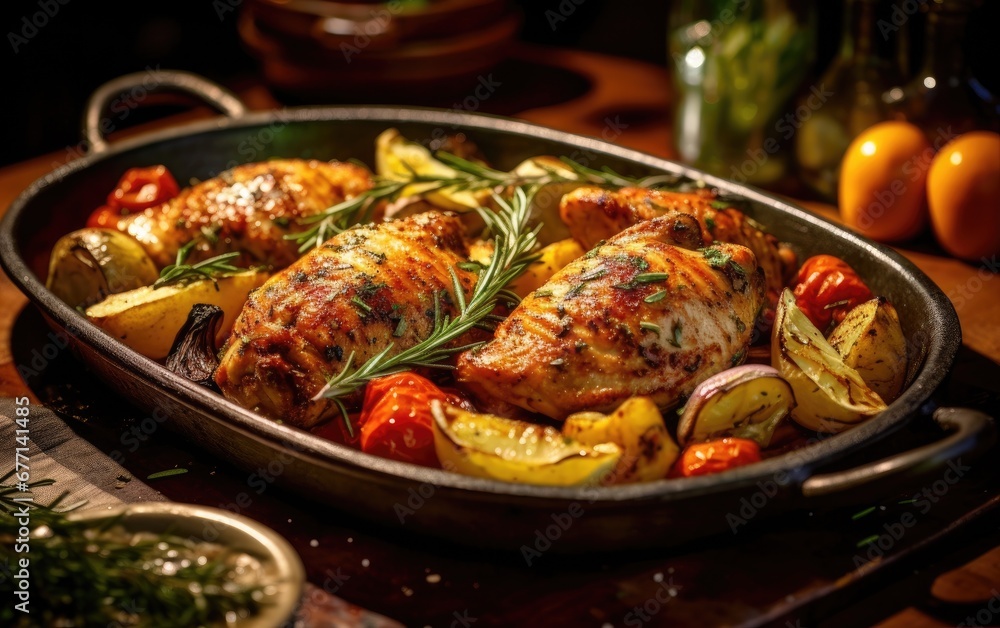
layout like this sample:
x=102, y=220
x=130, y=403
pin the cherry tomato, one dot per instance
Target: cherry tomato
x=828, y=289
x=396, y=419
x=104, y=217
x=138, y=189
x=715, y=456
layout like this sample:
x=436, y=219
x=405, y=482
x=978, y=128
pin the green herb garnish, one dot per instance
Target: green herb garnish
x=465, y=176
x=93, y=573
x=863, y=513
x=651, y=327
x=166, y=474
x=641, y=279
x=513, y=243
x=868, y=540
x=361, y=305
x=400, y=328
x=656, y=297
x=675, y=332
x=719, y=259
x=213, y=268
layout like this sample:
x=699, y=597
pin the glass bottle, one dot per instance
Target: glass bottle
x=737, y=64
x=863, y=70
x=943, y=99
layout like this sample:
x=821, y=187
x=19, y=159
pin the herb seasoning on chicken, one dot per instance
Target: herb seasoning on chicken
x=649, y=312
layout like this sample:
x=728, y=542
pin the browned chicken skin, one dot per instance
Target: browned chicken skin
x=358, y=292
x=594, y=214
x=646, y=313
x=248, y=209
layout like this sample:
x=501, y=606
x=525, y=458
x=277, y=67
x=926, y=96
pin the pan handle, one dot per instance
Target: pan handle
x=153, y=80
x=971, y=431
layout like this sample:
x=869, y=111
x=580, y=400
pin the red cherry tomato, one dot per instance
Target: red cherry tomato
x=396, y=419
x=715, y=456
x=827, y=289
x=138, y=189
x=104, y=217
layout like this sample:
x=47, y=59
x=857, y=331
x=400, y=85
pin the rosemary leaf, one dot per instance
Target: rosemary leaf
x=166, y=474
x=656, y=296
x=651, y=327
x=513, y=243
x=212, y=269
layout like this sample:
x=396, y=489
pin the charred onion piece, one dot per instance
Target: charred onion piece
x=194, y=354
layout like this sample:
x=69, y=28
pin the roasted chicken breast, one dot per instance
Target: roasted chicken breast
x=247, y=209
x=357, y=293
x=648, y=312
x=594, y=214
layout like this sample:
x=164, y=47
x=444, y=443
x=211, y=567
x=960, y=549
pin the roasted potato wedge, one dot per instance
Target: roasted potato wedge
x=545, y=202
x=89, y=264
x=831, y=396
x=396, y=158
x=551, y=259
x=148, y=319
x=871, y=341
x=637, y=428
x=748, y=401
x=488, y=446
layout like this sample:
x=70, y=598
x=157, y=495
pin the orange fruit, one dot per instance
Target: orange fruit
x=883, y=181
x=963, y=191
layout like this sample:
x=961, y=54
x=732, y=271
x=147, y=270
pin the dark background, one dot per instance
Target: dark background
x=48, y=79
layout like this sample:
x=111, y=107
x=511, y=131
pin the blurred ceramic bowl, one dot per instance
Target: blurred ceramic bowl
x=358, y=51
x=278, y=560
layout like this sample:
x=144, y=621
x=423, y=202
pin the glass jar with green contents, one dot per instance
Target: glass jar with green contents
x=737, y=64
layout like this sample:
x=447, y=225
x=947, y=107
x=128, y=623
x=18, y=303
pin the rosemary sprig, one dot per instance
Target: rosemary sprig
x=212, y=268
x=467, y=176
x=513, y=243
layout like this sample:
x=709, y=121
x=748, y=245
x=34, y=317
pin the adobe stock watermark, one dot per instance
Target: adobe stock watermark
x=899, y=16
x=877, y=545
x=120, y=109
x=714, y=28
x=964, y=293
x=256, y=143
x=546, y=536
x=752, y=505
x=986, y=615
x=486, y=86
x=42, y=356
x=563, y=11
x=644, y=613
x=787, y=126
x=418, y=497
x=223, y=8
x=33, y=23
x=911, y=172
x=364, y=31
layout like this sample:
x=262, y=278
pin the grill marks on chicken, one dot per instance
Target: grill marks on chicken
x=594, y=214
x=249, y=208
x=358, y=292
x=646, y=313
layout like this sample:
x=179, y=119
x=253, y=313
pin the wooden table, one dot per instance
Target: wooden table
x=411, y=582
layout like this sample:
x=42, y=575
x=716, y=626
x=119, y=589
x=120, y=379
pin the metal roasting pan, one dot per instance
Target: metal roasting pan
x=464, y=509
